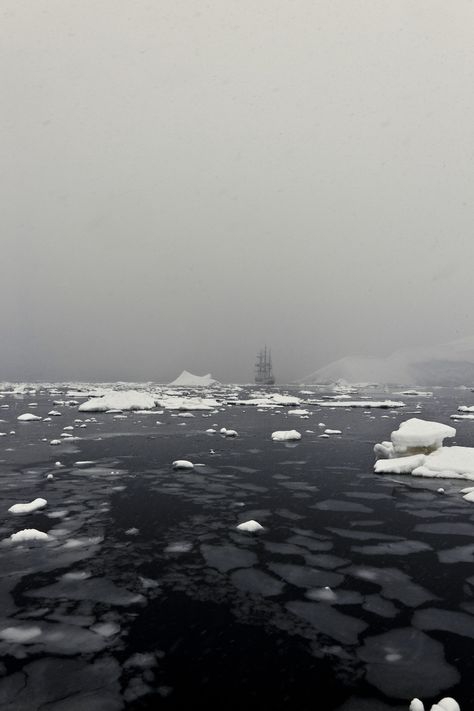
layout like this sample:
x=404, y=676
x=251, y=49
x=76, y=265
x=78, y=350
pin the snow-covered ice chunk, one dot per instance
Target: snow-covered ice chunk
x=119, y=400
x=250, y=526
x=28, y=417
x=416, y=434
x=54, y=413
x=448, y=462
x=285, y=435
x=55, y=441
x=298, y=412
x=330, y=432
x=29, y=535
x=182, y=464
x=28, y=508
x=230, y=433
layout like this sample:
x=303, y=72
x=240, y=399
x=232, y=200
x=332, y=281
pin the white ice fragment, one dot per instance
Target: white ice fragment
x=119, y=400
x=182, y=464
x=330, y=432
x=28, y=417
x=400, y=465
x=416, y=433
x=54, y=413
x=449, y=704
x=211, y=431
x=298, y=412
x=28, y=508
x=55, y=441
x=29, y=535
x=230, y=433
x=417, y=705
x=285, y=435
x=50, y=476
x=250, y=526
x=222, y=430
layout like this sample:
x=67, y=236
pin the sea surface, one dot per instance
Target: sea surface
x=359, y=589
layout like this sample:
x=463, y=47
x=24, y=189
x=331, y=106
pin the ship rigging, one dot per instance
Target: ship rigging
x=263, y=368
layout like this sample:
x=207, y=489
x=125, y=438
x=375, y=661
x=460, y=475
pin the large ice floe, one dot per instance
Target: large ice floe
x=119, y=400
x=286, y=436
x=417, y=448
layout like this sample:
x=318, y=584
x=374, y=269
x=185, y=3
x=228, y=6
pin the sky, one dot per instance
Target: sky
x=184, y=181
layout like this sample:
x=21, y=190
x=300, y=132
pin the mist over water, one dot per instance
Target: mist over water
x=184, y=183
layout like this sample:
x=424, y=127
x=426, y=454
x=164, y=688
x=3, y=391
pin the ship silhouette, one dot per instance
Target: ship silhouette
x=263, y=368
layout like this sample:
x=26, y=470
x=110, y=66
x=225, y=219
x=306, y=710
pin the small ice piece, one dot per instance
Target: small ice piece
x=132, y=532
x=230, y=433
x=330, y=432
x=50, y=476
x=298, y=412
x=28, y=417
x=211, y=431
x=417, y=705
x=106, y=629
x=440, y=490
x=285, y=435
x=68, y=427
x=54, y=413
x=250, y=526
x=182, y=464
x=28, y=535
x=179, y=547
x=222, y=430
x=55, y=441
x=28, y=508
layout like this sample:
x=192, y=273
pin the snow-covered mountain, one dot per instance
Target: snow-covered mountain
x=448, y=364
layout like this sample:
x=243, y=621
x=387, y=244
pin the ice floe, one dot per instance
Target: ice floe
x=250, y=526
x=28, y=417
x=182, y=464
x=119, y=400
x=285, y=435
x=28, y=508
x=383, y=404
x=29, y=535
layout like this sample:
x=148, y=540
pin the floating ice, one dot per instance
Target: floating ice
x=119, y=400
x=330, y=432
x=55, y=441
x=28, y=535
x=298, y=412
x=28, y=508
x=54, y=413
x=384, y=404
x=446, y=704
x=182, y=464
x=414, y=435
x=28, y=417
x=285, y=435
x=250, y=526
x=230, y=433
x=399, y=465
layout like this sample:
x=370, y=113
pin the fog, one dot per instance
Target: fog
x=184, y=181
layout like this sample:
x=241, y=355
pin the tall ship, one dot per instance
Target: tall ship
x=263, y=368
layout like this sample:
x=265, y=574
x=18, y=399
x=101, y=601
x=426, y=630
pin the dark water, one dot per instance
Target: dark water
x=359, y=588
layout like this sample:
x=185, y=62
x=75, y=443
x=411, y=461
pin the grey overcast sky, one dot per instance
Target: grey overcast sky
x=183, y=181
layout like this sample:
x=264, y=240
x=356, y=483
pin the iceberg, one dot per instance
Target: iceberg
x=414, y=435
x=189, y=380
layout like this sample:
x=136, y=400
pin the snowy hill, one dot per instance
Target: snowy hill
x=189, y=380
x=448, y=364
